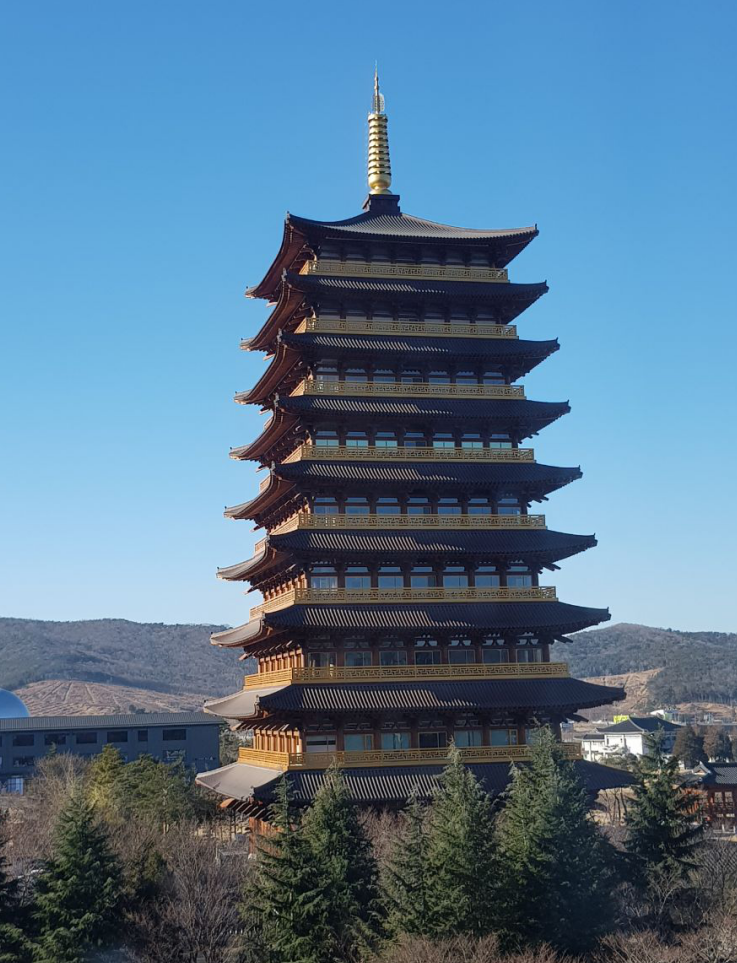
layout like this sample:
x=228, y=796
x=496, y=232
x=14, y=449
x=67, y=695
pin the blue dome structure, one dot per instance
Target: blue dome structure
x=11, y=707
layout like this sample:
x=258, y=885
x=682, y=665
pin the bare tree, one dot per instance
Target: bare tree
x=463, y=949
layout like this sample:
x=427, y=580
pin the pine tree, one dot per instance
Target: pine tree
x=717, y=744
x=554, y=870
x=78, y=892
x=286, y=908
x=406, y=875
x=14, y=945
x=347, y=869
x=663, y=828
x=688, y=747
x=103, y=781
x=157, y=791
x=459, y=854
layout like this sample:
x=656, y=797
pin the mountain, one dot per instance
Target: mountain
x=694, y=666
x=167, y=659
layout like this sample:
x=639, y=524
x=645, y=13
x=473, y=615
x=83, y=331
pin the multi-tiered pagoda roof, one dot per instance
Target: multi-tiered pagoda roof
x=402, y=557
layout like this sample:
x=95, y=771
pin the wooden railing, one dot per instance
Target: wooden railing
x=309, y=452
x=318, y=522
x=342, y=596
x=396, y=757
x=367, y=389
x=407, y=673
x=427, y=272
x=421, y=329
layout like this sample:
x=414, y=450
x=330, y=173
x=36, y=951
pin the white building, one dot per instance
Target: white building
x=627, y=738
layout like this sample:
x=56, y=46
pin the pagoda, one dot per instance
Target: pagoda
x=400, y=570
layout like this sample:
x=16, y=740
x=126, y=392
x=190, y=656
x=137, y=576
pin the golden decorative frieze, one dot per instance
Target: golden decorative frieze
x=397, y=390
x=324, y=267
x=310, y=452
x=377, y=596
x=408, y=673
x=327, y=523
x=397, y=757
x=421, y=329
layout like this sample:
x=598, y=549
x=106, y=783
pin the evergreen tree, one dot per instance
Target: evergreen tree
x=406, y=875
x=688, y=747
x=286, y=910
x=104, y=781
x=347, y=869
x=157, y=791
x=554, y=870
x=459, y=854
x=717, y=744
x=663, y=828
x=14, y=946
x=77, y=894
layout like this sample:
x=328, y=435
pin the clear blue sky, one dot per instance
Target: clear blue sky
x=150, y=153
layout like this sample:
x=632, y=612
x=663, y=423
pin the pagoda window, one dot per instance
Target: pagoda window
x=422, y=577
x=439, y=377
x=358, y=741
x=459, y=317
x=356, y=504
x=357, y=660
x=354, y=252
x=387, y=506
x=356, y=439
x=455, y=576
x=384, y=376
x=390, y=577
x=461, y=652
x=479, y=506
x=518, y=575
x=529, y=655
x=356, y=375
x=466, y=378
x=443, y=439
x=467, y=738
x=492, y=377
x=508, y=505
x=500, y=441
x=411, y=376
x=385, y=439
x=380, y=253
x=485, y=316
x=326, y=371
x=393, y=657
x=471, y=440
x=323, y=577
x=326, y=438
x=357, y=577
x=418, y=505
x=432, y=740
x=414, y=439
x=502, y=737
x=495, y=656
x=325, y=505
x=382, y=310
x=449, y=506
x=395, y=741
x=479, y=257
x=486, y=576
x=428, y=657
x=320, y=660
x=320, y=742
x=434, y=313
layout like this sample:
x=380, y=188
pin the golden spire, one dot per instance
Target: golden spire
x=379, y=166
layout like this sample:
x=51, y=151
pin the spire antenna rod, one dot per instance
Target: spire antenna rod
x=379, y=165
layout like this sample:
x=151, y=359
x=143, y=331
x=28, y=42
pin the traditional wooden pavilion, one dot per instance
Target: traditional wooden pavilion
x=400, y=571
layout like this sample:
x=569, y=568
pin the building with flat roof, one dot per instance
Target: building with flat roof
x=191, y=736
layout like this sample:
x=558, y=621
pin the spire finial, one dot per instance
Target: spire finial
x=379, y=166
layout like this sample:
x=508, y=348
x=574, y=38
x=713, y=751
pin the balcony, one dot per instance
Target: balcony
x=408, y=673
x=324, y=267
x=309, y=452
x=398, y=757
x=413, y=329
x=327, y=523
x=397, y=390
x=377, y=596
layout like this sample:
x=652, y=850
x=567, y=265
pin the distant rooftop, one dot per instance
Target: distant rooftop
x=131, y=720
x=642, y=724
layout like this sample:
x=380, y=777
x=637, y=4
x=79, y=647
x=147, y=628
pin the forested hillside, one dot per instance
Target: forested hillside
x=695, y=666
x=164, y=658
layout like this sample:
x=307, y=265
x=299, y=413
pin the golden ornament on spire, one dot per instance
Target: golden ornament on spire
x=379, y=166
